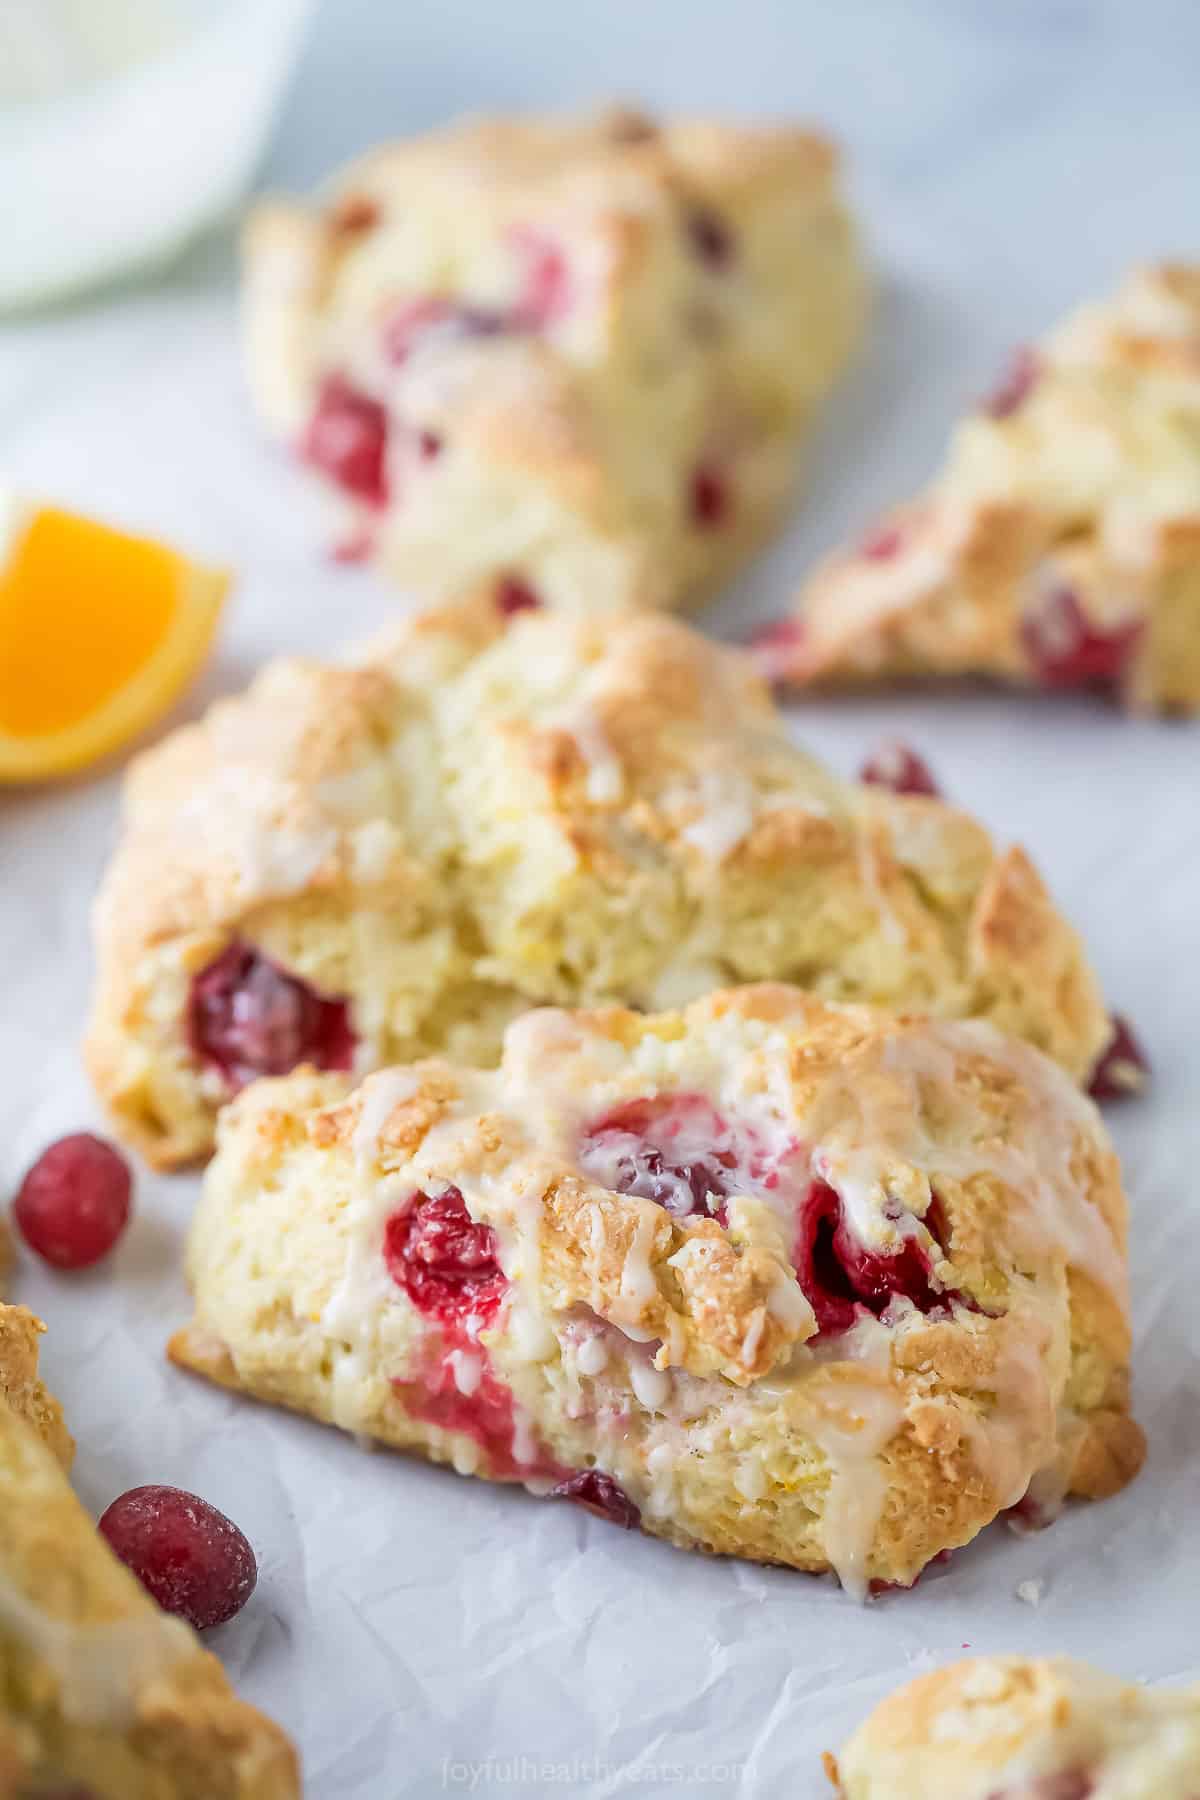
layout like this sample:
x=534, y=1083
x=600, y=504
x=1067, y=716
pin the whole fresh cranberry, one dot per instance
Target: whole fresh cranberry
x=600, y=1494
x=248, y=1017
x=897, y=767
x=75, y=1201
x=347, y=440
x=187, y=1555
x=444, y=1260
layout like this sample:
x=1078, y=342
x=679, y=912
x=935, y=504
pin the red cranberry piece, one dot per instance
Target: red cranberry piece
x=673, y=1149
x=601, y=1495
x=882, y=544
x=839, y=1275
x=445, y=1262
x=709, y=498
x=1123, y=1068
x=897, y=767
x=347, y=440
x=516, y=596
x=710, y=237
x=775, y=648
x=485, y=1414
x=74, y=1203
x=248, y=1017
x=1068, y=651
x=1015, y=386
x=190, y=1557
x=429, y=446
x=545, y=297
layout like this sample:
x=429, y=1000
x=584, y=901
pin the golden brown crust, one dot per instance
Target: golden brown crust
x=676, y=1350
x=96, y=1685
x=1083, y=481
x=704, y=290
x=1020, y=1728
x=475, y=820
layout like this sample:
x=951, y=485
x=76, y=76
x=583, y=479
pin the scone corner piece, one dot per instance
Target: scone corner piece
x=1059, y=545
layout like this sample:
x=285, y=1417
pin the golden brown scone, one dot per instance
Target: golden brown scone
x=100, y=1692
x=813, y=1285
x=1060, y=545
x=368, y=864
x=1020, y=1728
x=581, y=353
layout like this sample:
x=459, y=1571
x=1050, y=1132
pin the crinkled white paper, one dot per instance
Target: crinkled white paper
x=418, y=1632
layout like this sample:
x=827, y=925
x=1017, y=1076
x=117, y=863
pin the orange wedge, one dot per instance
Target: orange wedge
x=99, y=632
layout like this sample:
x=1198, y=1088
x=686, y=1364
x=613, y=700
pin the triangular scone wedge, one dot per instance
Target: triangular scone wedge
x=100, y=1692
x=577, y=352
x=359, y=865
x=1060, y=544
x=812, y=1285
x=1024, y=1728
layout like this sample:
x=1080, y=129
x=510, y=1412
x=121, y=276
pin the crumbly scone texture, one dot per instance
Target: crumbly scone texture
x=97, y=1686
x=1060, y=544
x=670, y=1251
x=579, y=351
x=1019, y=1728
x=477, y=818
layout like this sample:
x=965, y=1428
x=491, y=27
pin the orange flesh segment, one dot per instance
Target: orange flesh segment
x=82, y=608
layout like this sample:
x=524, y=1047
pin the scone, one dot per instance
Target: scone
x=1019, y=1728
x=1060, y=545
x=101, y=1694
x=353, y=866
x=813, y=1285
x=579, y=353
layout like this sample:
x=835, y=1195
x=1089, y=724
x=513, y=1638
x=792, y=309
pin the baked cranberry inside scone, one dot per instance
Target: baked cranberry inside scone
x=1024, y=1728
x=248, y=1017
x=813, y=1285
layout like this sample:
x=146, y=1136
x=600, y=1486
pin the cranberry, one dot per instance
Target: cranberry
x=190, y=1557
x=444, y=1261
x=839, y=1275
x=709, y=499
x=776, y=646
x=429, y=446
x=897, y=767
x=600, y=1494
x=545, y=297
x=673, y=1149
x=248, y=1017
x=74, y=1203
x=1068, y=1784
x=516, y=596
x=882, y=544
x=486, y=1413
x=1016, y=385
x=347, y=440
x=1068, y=651
x=906, y=1587
x=1123, y=1067
x=710, y=237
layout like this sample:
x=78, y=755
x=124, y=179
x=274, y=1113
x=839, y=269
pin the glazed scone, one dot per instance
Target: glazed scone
x=818, y=1286
x=354, y=866
x=1019, y=1728
x=1060, y=545
x=579, y=353
x=101, y=1694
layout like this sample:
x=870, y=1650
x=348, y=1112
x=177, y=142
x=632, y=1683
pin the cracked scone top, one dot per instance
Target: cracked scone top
x=578, y=352
x=1060, y=545
x=813, y=1285
x=1019, y=1728
x=357, y=866
x=100, y=1692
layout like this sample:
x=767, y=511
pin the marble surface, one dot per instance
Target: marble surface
x=410, y=1628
